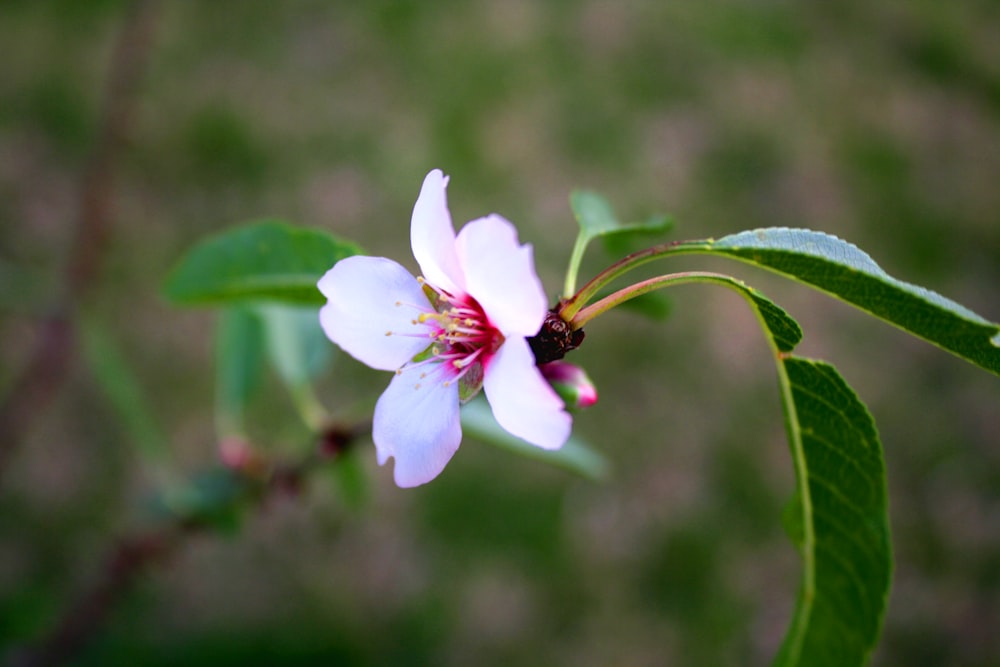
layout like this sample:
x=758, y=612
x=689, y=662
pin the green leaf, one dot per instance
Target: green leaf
x=293, y=340
x=239, y=356
x=575, y=455
x=838, y=519
x=298, y=347
x=842, y=270
x=596, y=218
x=299, y=351
x=842, y=508
x=785, y=332
x=593, y=213
x=792, y=522
x=267, y=260
x=113, y=372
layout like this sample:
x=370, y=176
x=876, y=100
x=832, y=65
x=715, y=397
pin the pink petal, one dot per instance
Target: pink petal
x=369, y=297
x=500, y=275
x=432, y=236
x=417, y=423
x=522, y=401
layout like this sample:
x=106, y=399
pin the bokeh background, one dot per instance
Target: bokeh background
x=876, y=121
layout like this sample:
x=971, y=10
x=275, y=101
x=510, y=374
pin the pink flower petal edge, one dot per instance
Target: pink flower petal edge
x=352, y=287
x=432, y=235
x=416, y=423
x=522, y=401
x=500, y=274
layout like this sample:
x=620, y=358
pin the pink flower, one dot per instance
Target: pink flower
x=461, y=327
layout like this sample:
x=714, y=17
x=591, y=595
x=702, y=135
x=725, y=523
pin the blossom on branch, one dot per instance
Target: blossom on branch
x=463, y=326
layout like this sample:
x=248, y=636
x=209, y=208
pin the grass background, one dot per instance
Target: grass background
x=877, y=122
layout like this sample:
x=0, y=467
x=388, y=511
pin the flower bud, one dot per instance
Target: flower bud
x=571, y=383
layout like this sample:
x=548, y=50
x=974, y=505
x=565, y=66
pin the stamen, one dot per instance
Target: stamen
x=458, y=332
x=468, y=331
x=468, y=359
x=407, y=335
x=415, y=306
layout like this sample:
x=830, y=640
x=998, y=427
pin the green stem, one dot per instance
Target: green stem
x=584, y=315
x=571, y=306
x=574, y=264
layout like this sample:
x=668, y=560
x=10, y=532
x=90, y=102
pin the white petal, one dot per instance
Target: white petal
x=417, y=423
x=522, y=401
x=500, y=275
x=369, y=297
x=432, y=236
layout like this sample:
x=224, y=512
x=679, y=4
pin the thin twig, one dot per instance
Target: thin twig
x=55, y=348
x=134, y=555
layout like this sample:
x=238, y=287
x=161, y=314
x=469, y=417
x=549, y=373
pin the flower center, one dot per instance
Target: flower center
x=461, y=334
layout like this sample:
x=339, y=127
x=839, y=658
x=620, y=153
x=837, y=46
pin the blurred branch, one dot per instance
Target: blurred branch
x=55, y=347
x=134, y=555
x=128, y=559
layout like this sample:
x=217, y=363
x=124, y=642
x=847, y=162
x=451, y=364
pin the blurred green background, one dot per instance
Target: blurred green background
x=876, y=121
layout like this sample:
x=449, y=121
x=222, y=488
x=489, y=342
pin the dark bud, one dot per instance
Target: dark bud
x=554, y=339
